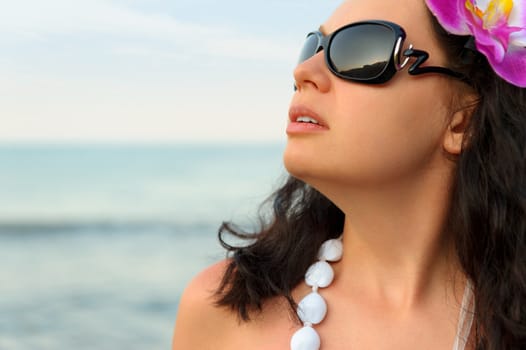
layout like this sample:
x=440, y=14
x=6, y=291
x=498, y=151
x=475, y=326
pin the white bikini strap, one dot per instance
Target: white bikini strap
x=465, y=320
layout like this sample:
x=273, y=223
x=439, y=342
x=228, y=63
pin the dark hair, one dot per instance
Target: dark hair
x=487, y=217
x=488, y=213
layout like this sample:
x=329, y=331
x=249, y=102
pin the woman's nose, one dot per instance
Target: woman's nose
x=312, y=74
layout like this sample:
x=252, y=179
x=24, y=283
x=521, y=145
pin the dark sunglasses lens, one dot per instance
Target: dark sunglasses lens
x=362, y=51
x=309, y=48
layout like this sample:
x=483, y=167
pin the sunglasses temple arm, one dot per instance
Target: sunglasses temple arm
x=421, y=57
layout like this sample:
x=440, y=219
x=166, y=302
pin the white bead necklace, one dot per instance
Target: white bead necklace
x=313, y=308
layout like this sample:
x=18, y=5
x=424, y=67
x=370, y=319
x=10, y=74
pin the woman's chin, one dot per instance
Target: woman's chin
x=298, y=162
x=306, y=166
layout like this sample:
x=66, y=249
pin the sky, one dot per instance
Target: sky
x=150, y=71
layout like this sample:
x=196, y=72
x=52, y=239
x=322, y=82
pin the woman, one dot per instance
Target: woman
x=419, y=178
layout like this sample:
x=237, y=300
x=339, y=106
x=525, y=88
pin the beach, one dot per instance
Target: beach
x=98, y=242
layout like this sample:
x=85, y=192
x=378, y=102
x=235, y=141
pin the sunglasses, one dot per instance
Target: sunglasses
x=368, y=52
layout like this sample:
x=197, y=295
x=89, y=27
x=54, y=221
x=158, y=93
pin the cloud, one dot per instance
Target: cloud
x=37, y=20
x=102, y=70
x=42, y=18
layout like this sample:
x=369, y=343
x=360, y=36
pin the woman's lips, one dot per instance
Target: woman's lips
x=298, y=128
x=304, y=120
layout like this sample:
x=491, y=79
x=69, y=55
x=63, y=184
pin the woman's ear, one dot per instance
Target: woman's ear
x=457, y=129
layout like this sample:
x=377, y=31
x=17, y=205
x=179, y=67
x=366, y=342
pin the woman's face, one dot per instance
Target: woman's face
x=372, y=133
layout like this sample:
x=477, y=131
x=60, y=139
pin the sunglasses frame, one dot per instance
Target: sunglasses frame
x=395, y=63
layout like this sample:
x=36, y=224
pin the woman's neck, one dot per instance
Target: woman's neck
x=396, y=247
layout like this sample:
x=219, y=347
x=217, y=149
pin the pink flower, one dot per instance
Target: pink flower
x=499, y=29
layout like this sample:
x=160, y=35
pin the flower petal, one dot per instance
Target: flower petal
x=499, y=29
x=486, y=44
x=512, y=68
x=483, y=4
x=518, y=38
x=502, y=34
x=518, y=14
x=493, y=51
x=453, y=20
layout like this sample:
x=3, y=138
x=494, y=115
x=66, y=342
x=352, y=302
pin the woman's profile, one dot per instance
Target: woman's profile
x=402, y=224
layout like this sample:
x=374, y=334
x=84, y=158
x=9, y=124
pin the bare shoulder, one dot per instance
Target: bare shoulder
x=200, y=323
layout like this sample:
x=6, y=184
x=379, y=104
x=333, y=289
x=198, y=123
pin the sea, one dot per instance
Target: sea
x=97, y=242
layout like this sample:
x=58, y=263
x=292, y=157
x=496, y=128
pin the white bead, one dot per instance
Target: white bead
x=319, y=274
x=305, y=338
x=312, y=308
x=331, y=250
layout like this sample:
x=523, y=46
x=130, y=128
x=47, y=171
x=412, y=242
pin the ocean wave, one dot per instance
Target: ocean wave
x=104, y=226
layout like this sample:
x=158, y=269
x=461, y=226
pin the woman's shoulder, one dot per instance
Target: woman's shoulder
x=203, y=286
x=200, y=322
